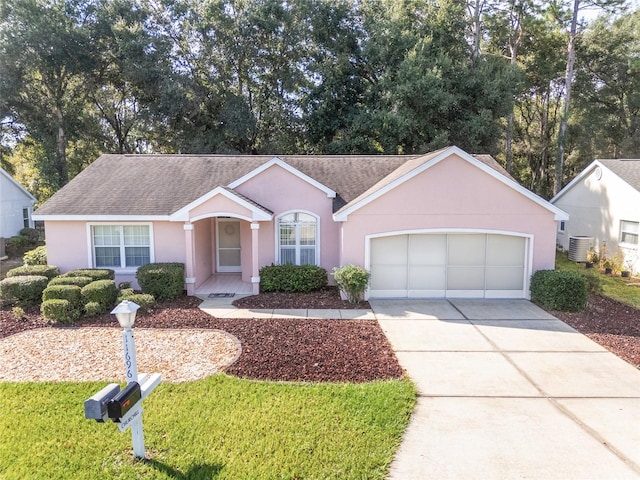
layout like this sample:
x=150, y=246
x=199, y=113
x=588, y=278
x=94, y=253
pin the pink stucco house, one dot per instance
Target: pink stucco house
x=444, y=224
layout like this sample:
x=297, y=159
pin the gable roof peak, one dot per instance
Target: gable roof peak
x=627, y=169
x=415, y=166
x=286, y=166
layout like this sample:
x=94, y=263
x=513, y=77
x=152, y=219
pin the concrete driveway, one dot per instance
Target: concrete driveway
x=509, y=391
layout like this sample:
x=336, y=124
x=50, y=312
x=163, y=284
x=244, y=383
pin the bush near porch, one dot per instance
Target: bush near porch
x=165, y=281
x=292, y=278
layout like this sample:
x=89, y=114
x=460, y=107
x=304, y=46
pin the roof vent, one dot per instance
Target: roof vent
x=579, y=248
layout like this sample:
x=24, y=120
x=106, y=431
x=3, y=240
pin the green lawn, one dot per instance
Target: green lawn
x=613, y=286
x=220, y=427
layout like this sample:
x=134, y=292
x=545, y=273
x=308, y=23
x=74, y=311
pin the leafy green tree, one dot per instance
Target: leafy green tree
x=44, y=52
x=607, y=101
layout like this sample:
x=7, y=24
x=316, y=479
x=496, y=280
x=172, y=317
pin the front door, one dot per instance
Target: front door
x=228, y=245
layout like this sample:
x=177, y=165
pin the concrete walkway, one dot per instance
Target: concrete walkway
x=223, y=308
x=509, y=391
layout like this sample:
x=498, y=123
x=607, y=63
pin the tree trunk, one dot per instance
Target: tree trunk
x=61, y=150
x=568, y=80
x=475, y=9
x=509, y=140
x=514, y=44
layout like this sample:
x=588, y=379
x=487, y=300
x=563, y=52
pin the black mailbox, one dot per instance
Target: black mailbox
x=124, y=401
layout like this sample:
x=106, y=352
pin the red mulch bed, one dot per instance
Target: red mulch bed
x=328, y=298
x=612, y=324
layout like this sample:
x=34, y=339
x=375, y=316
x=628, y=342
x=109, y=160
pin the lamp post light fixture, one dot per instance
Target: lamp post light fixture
x=125, y=312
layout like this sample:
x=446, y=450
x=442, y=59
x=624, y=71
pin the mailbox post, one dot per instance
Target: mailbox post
x=125, y=312
x=125, y=406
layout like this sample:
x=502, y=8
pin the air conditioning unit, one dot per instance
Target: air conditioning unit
x=579, y=248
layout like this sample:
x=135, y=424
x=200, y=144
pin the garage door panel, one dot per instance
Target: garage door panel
x=389, y=277
x=465, y=278
x=389, y=250
x=427, y=249
x=466, y=250
x=503, y=250
x=427, y=277
x=505, y=278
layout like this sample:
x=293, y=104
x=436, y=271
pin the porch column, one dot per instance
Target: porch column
x=255, y=270
x=189, y=270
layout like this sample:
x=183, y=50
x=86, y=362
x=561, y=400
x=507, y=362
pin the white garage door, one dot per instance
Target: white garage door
x=448, y=265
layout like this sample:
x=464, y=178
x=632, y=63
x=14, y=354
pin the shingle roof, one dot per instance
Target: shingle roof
x=159, y=185
x=627, y=169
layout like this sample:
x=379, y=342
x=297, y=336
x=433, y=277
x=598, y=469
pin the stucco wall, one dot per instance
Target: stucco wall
x=68, y=246
x=596, y=206
x=169, y=242
x=222, y=205
x=281, y=191
x=452, y=195
x=204, y=245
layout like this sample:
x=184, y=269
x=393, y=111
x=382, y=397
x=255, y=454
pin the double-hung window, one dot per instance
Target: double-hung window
x=26, y=218
x=121, y=246
x=629, y=232
x=298, y=239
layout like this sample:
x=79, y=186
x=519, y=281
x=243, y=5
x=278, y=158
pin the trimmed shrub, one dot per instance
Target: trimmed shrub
x=18, y=313
x=79, y=281
x=31, y=234
x=59, y=310
x=92, y=309
x=292, y=278
x=165, y=281
x=24, y=289
x=353, y=281
x=93, y=273
x=48, y=271
x=37, y=256
x=124, y=285
x=16, y=246
x=125, y=292
x=16, y=242
x=72, y=293
x=143, y=300
x=559, y=290
x=103, y=292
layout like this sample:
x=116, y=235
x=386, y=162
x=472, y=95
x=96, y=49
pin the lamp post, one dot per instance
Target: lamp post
x=125, y=312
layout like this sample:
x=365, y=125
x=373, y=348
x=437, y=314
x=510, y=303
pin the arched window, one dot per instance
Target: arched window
x=298, y=239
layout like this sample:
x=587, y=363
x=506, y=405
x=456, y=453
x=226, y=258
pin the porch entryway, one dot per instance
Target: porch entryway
x=224, y=283
x=228, y=245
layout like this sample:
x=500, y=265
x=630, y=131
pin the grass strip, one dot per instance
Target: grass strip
x=613, y=286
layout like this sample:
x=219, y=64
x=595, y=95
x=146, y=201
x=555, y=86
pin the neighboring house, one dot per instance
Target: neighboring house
x=16, y=207
x=604, y=203
x=445, y=224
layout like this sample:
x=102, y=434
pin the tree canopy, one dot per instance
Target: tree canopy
x=84, y=77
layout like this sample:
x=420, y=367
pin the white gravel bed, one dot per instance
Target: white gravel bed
x=96, y=353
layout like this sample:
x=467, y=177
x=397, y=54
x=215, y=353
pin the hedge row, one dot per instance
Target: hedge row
x=94, y=298
x=49, y=271
x=25, y=290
